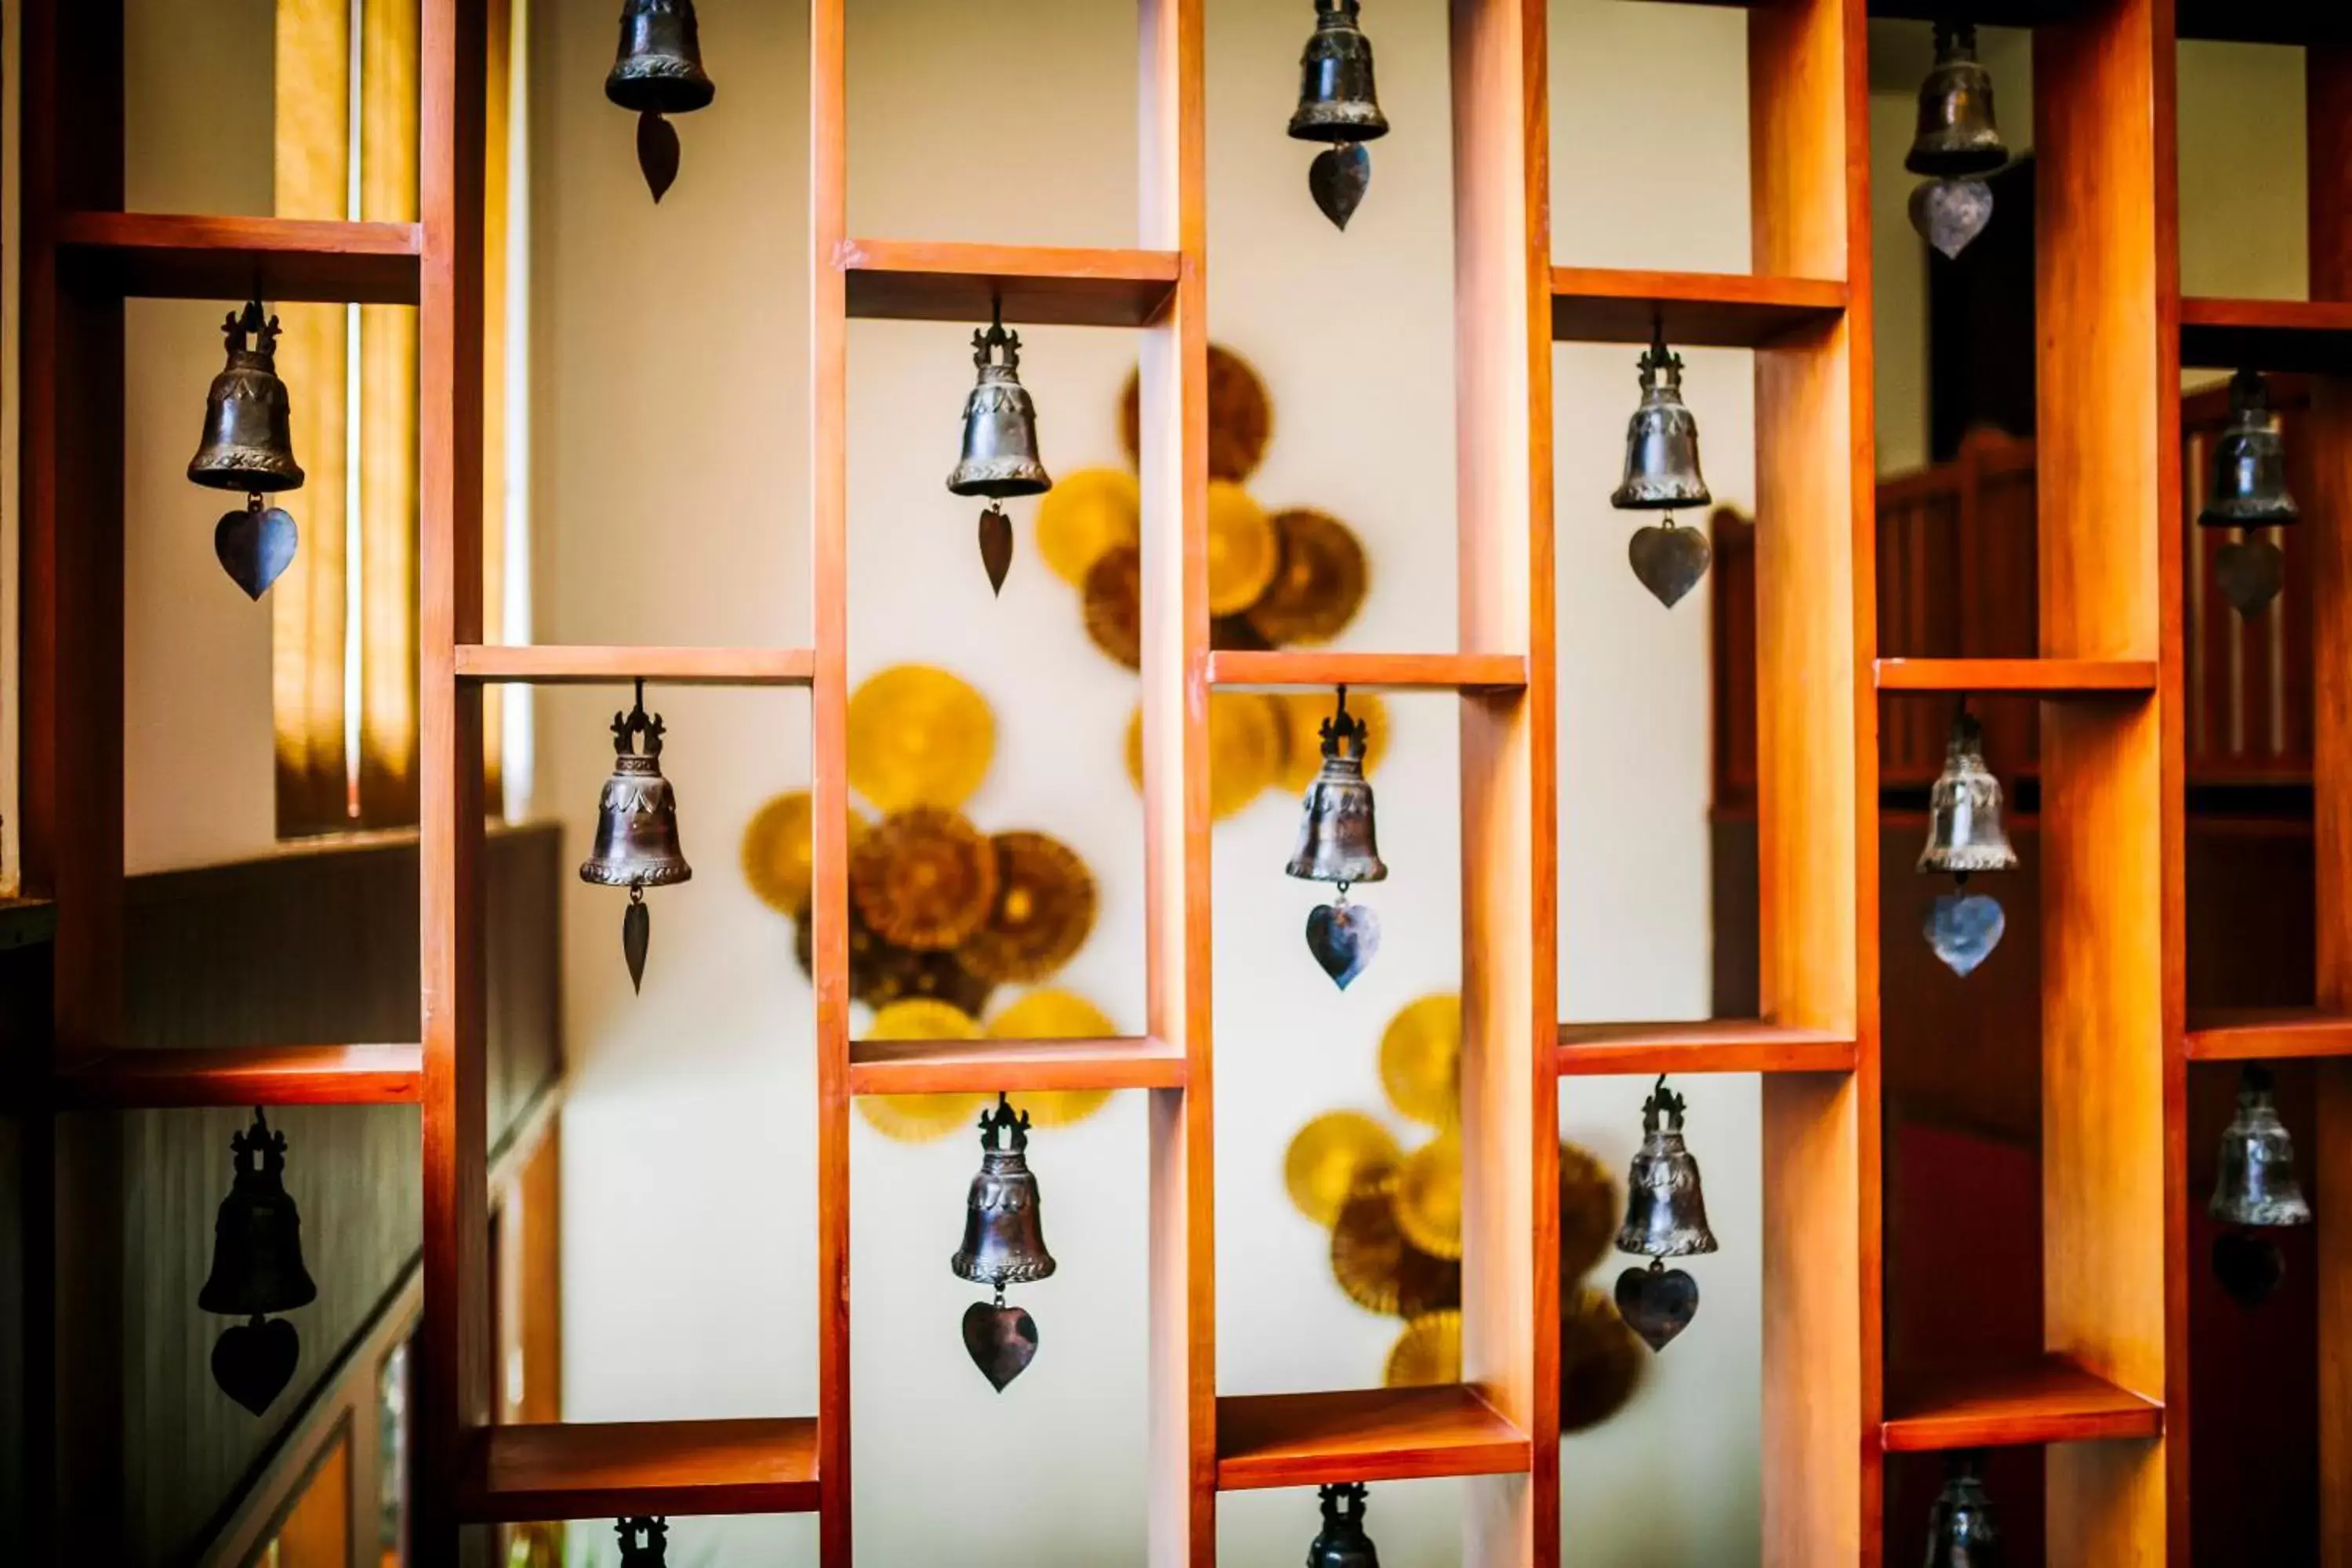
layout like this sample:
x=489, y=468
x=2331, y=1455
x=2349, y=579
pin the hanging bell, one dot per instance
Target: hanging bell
x=1958, y=137
x=2256, y=1185
x=1336, y=843
x=248, y=440
x=257, y=1235
x=1004, y=1244
x=1341, y=1543
x=1000, y=444
x=1338, y=105
x=2249, y=463
x=1961, y=1530
x=1665, y=1211
x=644, y=1543
x=659, y=68
x=1661, y=439
x=637, y=830
x=1964, y=830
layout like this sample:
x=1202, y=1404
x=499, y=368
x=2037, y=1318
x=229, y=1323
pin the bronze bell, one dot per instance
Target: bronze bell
x=1004, y=1237
x=2256, y=1185
x=2249, y=463
x=249, y=439
x=1958, y=137
x=659, y=68
x=1000, y=425
x=257, y=1235
x=1665, y=1211
x=636, y=829
x=1961, y=1531
x=1662, y=439
x=1342, y=1542
x=1336, y=838
x=1336, y=100
x=1964, y=829
x=652, y=1552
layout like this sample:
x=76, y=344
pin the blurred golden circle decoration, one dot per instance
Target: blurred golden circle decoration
x=1050, y=1015
x=1420, y=1059
x=919, y=736
x=1330, y=1156
x=1243, y=551
x=1246, y=749
x=1589, y=1211
x=1241, y=415
x=1319, y=582
x=1429, y=1195
x=1376, y=1268
x=1429, y=1352
x=924, y=878
x=1086, y=515
x=1303, y=714
x=881, y=972
x=1043, y=912
x=1601, y=1361
x=920, y=1118
x=1236, y=633
x=1135, y=748
x=779, y=854
x=1112, y=604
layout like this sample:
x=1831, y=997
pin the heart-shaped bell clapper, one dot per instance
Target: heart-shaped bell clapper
x=656, y=153
x=254, y=1361
x=1343, y=937
x=1669, y=559
x=1001, y=1340
x=256, y=545
x=1339, y=178
x=2249, y=1266
x=637, y=936
x=1964, y=928
x=995, y=547
x=1951, y=214
x=1657, y=1302
x=2250, y=573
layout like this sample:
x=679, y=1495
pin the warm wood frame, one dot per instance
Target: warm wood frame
x=2118, y=1044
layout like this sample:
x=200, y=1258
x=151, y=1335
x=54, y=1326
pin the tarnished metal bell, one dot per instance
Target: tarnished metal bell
x=1342, y=1542
x=1961, y=1531
x=2249, y=463
x=637, y=815
x=1964, y=829
x=1665, y=1211
x=1336, y=838
x=2256, y=1185
x=644, y=1543
x=659, y=68
x=257, y=1235
x=1000, y=425
x=248, y=440
x=1958, y=136
x=1003, y=1235
x=1336, y=100
x=1662, y=471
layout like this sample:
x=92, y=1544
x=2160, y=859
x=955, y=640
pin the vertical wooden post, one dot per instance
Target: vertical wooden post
x=1174, y=440
x=455, y=1381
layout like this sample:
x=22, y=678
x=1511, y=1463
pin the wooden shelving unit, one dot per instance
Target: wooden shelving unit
x=2110, y=1398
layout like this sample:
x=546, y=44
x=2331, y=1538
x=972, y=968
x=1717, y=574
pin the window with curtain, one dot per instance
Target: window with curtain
x=344, y=628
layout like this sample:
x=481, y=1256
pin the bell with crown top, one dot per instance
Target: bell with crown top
x=636, y=829
x=1958, y=136
x=257, y=1270
x=1338, y=843
x=1661, y=474
x=1961, y=1530
x=1665, y=1217
x=1965, y=836
x=248, y=447
x=657, y=73
x=999, y=457
x=2256, y=1185
x=1342, y=1543
x=644, y=1543
x=1338, y=105
x=1004, y=1244
x=2249, y=491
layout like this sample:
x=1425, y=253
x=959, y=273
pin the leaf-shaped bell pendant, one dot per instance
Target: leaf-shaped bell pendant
x=257, y=1270
x=1661, y=474
x=248, y=447
x=1665, y=1217
x=1961, y=1530
x=1000, y=444
x=1004, y=1244
x=1337, y=842
x=2249, y=491
x=1956, y=145
x=637, y=830
x=1338, y=105
x=1341, y=1543
x=644, y=1543
x=658, y=73
x=1965, y=836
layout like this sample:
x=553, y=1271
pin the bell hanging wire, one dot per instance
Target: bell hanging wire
x=637, y=830
x=657, y=73
x=1665, y=1217
x=248, y=447
x=1338, y=843
x=1661, y=474
x=1962, y=1531
x=2249, y=491
x=1000, y=443
x=1338, y=105
x=1342, y=1543
x=1957, y=144
x=257, y=1270
x=1004, y=1244
x=1965, y=836
x=644, y=1543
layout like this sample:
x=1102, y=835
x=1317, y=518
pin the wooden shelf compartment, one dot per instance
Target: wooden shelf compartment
x=1701, y=310
x=2266, y=334
x=1713, y=1045
x=170, y=256
x=2265, y=1034
x=2048, y=1400
x=1014, y=1066
x=1363, y=1435
x=580, y=665
x=255, y=1074
x=2048, y=677
x=2228, y=21
x=520, y=1474
x=1310, y=668
x=916, y=280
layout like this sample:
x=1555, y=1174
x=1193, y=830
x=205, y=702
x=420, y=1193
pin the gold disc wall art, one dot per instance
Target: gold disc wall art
x=1421, y=1060
x=920, y=1118
x=881, y=972
x=1246, y=749
x=1429, y=1195
x=1333, y=1155
x=1377, y=1267
x=919, y=736
x=1052, y=1014
x=1319, y=580
x=1043, y=913
x=1589, y=1211
x=1243, y=551
x=1084, y=516
x=779, y=857
x=924, y=878
x=1601, y=1361
x=1428, y=1353
x=1112, y=604
x=1241, y=417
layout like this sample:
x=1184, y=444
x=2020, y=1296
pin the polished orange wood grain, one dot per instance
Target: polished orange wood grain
x=2048, y=1400
x=2262, y=1033
x=256, y=1074
x=925, y=280
x=606, y=1470
x=545, y=665
x=2266, y=334
x=955, y=1067
x=2051, y=678
x=1713, y=1045
x=1363, y=1435
x=1697, y=309
x=172, y=256
x=1400, y=671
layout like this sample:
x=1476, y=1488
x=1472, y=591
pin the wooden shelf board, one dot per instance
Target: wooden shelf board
x=2036, y=676
x=2048, y=1400
x=1983, y=13
x=517, y=1475
x=984, y=1066
x=589, y=666
x=1706, y=309
x=2266, y=334
x=1716, y=1044
x=2237, y=1035
x=1362, y=1434
x=164, y=255
x=258, y=1075
x=915, y=280
x=1365, y=671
